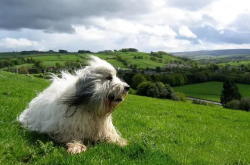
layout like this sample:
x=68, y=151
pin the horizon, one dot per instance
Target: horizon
x=122, y=48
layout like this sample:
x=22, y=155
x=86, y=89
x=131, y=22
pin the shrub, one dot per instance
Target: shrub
x=198, y=101
x=171, y=95
x=162, y=91
x=245, y=104
x=132, y=91
x=234, y=104
x=158, y=90
x=153, y=91
x=181, y=96
x=23, y=70
x=143, y=88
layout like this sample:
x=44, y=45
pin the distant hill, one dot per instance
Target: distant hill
x=140, y=59
x=206, y=53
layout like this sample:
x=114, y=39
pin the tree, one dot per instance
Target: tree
x=136, y=80
x=158, y=69
x=230, y=92
x=63, y=51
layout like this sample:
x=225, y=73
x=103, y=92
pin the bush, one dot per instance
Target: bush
x=171, y=95
x=158, y=90
x=245, y=104
x=39, y=75
x=162, y=91
x=23, y=70
x=198, y=101
x=143, y=88
x=181, y=96
x=234, y=104
x=132, y=91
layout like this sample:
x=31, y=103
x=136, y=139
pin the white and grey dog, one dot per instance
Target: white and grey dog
x=77, y=108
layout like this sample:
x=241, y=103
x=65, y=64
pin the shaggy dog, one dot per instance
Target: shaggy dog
x=77, y=108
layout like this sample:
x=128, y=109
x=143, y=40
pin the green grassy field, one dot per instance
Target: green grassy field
x=158, y=132
x=50, y=59
x=235, y=63
x=210, y=90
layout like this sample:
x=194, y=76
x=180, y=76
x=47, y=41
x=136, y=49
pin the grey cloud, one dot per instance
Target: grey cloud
x=242, y=23
x=59, y=15
x=190, y=4
x=209, y=34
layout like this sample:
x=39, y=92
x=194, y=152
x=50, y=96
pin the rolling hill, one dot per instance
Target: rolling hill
x=214, y=53
x=50, y=59
x=158, y=131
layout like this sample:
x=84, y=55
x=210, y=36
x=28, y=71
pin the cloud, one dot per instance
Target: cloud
x=60, y=15
x=190, y=4
x=241, y=23
x=224, y=12
x=130, y=27
x=13, y=43
x=170, y=25
x=186, y=32
x=210, y=34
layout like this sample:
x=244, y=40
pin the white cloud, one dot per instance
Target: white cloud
x=145, y=24
x=14, y=43
x=132, y=28
x=186, y=32
x=226, y=11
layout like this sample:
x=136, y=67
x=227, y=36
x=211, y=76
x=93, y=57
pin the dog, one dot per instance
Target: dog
x=77, y=108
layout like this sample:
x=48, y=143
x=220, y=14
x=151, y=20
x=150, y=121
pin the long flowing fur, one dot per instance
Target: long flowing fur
x=79, y=106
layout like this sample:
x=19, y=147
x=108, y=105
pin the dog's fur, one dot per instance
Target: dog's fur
x=77, y=108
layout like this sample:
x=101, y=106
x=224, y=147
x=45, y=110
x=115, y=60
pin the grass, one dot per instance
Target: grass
x=235, y=63
x=158, y=132
x=51, y=59
x=209, y=90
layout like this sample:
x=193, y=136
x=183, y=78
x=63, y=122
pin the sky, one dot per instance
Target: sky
x=148, y=25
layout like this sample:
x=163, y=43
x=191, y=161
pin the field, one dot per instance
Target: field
x=210, y=90
x=52, y=58
x=158, y=132
x=235, y=63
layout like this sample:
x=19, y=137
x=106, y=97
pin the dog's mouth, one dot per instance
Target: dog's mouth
x=118, y=99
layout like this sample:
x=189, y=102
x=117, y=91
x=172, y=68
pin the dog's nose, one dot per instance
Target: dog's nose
x=126, y=88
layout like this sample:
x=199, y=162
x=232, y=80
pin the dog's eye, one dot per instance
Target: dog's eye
x=109, y=78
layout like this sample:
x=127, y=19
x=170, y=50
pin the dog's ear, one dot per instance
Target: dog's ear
x=84, y=92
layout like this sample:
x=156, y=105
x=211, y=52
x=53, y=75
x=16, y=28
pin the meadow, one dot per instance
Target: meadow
x=50, y=59
x=158, y=132
x=209, y=90
x=235, y=63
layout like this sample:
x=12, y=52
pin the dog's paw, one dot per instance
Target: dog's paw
x=75, y=148
x=122, y=142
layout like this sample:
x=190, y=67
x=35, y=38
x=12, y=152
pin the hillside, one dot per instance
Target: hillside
x=209, y=90
x=214, y=53
x=50, y=59
x=158, y=132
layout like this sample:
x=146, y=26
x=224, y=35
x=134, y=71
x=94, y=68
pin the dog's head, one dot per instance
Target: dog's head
x=98, y=88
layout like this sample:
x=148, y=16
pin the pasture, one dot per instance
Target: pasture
x=209, y=90
x=235, y=63
x=158, y=131
x=50, y=59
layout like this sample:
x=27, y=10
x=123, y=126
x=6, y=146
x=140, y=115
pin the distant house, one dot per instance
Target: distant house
x=122, y=70
x=177, y=66
x=150, y=72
